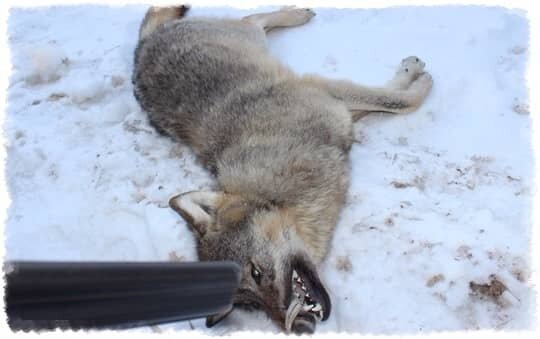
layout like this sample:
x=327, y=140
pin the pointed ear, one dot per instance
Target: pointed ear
x=211, y=320
x=197, y=208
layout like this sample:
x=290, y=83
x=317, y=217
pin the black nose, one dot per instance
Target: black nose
x=303, y=324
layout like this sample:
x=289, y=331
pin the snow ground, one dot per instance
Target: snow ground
x=438, y=198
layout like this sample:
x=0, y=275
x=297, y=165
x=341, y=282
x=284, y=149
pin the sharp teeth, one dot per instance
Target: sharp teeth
x=317, y=308
x=319, y=315
x=304, y=289
x=307, y=307
x=294, y=275
x=307, y=294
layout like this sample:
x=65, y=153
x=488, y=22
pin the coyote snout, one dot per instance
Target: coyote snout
x=276, y=270
x=278, y=145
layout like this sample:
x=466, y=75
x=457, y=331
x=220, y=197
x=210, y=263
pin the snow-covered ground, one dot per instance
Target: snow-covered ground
x=438, y=198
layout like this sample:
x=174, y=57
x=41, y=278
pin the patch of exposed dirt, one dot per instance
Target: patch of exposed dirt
x=418, y=182
x=494, y=291
x=434, y=280
x=343, y=263
x=56, y=96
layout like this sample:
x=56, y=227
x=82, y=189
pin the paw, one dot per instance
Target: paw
x=296, y=9
x=408, y=71
x=412, y=66
x=423, y=84
x=298, y=15
x=169, y=12
x=308, y=13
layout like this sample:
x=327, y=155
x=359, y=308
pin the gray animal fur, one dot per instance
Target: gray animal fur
x=276, y=142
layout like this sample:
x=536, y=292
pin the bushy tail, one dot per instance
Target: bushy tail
x=157, y=16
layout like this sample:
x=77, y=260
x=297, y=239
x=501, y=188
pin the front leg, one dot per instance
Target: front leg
x=288, y=16
x=403, y=94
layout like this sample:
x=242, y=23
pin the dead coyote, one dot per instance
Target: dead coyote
x=277, y=143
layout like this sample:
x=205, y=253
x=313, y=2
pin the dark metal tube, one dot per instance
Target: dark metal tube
x=82, y=295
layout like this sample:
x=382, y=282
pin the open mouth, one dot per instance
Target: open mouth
x=309, y=302
x=300, y=292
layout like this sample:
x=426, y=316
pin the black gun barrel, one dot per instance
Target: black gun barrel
x=84, y=295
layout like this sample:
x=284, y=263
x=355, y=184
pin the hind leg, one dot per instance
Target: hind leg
x=408, y=71
x=157, y=16
x=285, y=17
x=404, y=93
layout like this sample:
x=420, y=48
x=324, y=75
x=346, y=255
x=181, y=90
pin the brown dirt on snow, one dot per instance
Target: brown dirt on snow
x=494, y=289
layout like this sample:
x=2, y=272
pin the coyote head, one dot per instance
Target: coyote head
x=261, y=239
